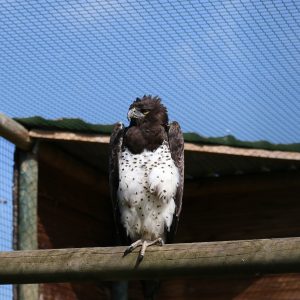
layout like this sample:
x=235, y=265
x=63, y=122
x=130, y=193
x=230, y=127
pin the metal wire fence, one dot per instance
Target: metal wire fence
x=6, y=205
x=221, y=67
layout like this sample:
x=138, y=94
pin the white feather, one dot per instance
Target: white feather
x=148, y=183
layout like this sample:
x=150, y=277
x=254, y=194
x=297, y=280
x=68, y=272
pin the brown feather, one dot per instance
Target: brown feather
x=176, y=144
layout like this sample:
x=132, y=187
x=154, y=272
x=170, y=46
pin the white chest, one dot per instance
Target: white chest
x=147, y=187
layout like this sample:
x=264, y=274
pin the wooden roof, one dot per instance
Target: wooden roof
x=200, y=160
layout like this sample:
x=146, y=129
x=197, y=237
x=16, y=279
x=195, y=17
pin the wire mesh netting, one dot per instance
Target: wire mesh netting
x=6, y=205
x=220, y=66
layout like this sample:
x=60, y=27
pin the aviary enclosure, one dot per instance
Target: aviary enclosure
x=237, y=236
x=228, y=71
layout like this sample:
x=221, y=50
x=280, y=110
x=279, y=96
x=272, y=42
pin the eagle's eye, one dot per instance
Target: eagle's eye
x=145, y=111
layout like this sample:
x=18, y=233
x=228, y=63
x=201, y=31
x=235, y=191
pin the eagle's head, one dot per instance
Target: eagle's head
x=147, y=109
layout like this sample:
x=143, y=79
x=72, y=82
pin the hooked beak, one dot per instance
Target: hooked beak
x=134, y=114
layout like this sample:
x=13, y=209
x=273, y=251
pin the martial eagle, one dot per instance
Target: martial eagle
x=146, y=175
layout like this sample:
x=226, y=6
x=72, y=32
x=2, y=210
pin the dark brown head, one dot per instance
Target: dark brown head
x=148, y=124
x=147, y=109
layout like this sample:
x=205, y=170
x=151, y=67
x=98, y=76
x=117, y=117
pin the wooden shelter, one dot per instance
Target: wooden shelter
x=233, y=192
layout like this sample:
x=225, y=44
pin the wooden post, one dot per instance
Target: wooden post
x=27, y=214
x=249, y=257
x=14, y=132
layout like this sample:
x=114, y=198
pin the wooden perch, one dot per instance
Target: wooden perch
x=14, y=132
x=247, y=257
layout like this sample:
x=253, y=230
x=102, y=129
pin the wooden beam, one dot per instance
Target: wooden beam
x=174, y=260
x=27, y=213
x=216, y=149
x=69, y=136
x=14, y=132
x=227, y=150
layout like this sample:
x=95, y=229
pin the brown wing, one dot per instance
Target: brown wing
x=115, y=147
x=176, y=144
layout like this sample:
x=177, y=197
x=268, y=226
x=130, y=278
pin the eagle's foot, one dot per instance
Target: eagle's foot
x=133, y=246
x=146, y=244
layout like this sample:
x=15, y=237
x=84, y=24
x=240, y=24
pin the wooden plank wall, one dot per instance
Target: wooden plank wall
x=241, y=207
x=73, y=213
